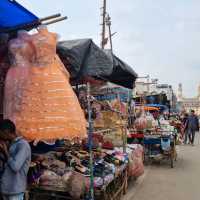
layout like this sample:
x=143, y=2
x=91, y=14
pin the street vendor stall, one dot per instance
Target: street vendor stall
x=143, y=121
x=109, y=103
x=50, y=111
x=109, y=125
x=68, y=163
x=157, y=134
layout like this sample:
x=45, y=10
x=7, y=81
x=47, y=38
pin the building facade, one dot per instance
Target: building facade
x=153, y=88
x=188, y=104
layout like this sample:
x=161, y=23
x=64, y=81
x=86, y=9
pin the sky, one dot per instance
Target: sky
x=156, y=37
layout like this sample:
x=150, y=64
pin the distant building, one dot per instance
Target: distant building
x=188, y=104
x=153, y=88
x=168, y=90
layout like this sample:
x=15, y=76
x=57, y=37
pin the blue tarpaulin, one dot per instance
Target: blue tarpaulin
x=13, y=15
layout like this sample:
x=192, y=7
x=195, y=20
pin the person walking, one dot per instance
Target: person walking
x=18, y=158
x=193, y=126
x=185, y=132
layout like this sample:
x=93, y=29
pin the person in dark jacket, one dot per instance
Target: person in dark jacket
x=193, y=126
x=18, y=158
x=185, y=128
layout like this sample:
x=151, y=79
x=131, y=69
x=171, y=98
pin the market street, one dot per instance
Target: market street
x=163, y=183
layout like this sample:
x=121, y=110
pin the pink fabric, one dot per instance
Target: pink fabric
x=136, y=166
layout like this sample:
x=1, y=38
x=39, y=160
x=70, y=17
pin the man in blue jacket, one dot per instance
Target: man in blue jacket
x=193, y=126
x=14, y=178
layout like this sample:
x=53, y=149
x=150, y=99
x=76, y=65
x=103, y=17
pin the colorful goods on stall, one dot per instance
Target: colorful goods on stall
x=110, y=117
x=136, y=156
x=150, y=122
x=115, y=136
x=69, y=170
x=141, y=123
x=144, y=119
x=38, y=96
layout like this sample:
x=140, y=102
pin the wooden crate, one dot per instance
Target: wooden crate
x=114, y=190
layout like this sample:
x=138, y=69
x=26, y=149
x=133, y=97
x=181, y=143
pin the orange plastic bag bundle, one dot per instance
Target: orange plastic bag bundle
x=38, y=96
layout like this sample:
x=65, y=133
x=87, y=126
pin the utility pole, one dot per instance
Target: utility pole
x=108, y=23
x=103, y=40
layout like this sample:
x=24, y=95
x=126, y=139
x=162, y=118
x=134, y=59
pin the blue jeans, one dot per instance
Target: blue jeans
x=192, y=135
x=14, y=197
x=187, y=136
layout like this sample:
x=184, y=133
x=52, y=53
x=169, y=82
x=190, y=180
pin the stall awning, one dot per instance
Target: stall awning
x=122, y=73
x=14, y=16
x=148, y=108
x=161, y=107
x=83, y=59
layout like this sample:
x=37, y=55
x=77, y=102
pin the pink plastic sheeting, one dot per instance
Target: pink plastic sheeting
x=136, y=165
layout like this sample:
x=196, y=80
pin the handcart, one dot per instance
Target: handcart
x=159, y=147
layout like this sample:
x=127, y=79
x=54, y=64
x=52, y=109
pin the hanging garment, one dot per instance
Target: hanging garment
x=39, y=97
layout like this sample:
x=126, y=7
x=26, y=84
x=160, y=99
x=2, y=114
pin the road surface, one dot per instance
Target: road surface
x=160, y=182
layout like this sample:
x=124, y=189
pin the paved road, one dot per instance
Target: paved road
x=160, y=182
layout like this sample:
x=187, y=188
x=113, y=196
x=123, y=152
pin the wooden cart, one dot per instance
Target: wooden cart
x=114, y=190
x=153, y=141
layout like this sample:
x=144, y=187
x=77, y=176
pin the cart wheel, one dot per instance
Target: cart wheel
x=143, y=157
x=176, y=155
x=147, y=160
x=172, y=160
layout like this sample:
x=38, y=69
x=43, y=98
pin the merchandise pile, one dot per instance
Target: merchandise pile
x=68, y=168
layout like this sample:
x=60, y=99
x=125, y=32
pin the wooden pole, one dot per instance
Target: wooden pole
x=110, y=35
x=108, y=23
x=103, y=25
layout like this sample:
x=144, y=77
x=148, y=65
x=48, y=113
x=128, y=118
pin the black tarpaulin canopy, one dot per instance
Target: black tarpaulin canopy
x=83, y=58
x=121, y=73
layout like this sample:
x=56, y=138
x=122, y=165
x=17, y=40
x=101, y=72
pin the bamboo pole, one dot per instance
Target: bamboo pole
x=103, y=24
x=50, y=17
x=90, y=141
x=55, y=21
